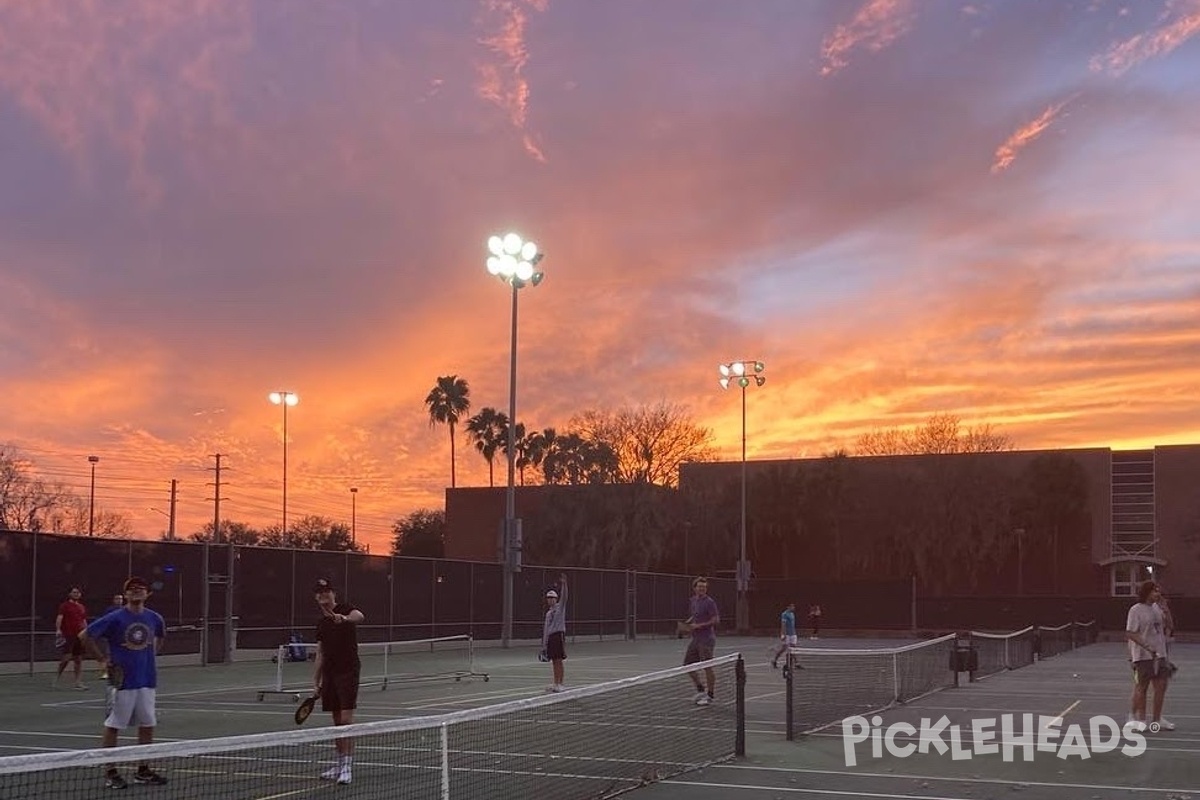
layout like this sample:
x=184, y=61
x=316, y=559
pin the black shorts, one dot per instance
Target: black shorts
x=71, y=646
x=1143, y=671
x=698, y=651
x=339, y=691
x=556, y=646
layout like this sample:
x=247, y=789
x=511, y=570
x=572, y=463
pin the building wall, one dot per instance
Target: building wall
x=1177, y=516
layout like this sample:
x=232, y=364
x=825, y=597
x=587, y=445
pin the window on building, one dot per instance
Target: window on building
x=1127, y=577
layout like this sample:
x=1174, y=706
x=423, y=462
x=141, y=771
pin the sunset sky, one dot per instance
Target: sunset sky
x=901, y=206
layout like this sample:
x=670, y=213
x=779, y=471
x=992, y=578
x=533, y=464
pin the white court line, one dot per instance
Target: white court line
x=891, y=776
x=1058, y=720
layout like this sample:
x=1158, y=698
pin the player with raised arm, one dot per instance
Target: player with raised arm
x=554, y=632
x=337, y=670
x=134, y=635
x=702, y=621
x=787, y=633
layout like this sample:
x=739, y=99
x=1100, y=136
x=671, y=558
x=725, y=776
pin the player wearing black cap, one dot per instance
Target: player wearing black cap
x=134, y=635
x=336, y=674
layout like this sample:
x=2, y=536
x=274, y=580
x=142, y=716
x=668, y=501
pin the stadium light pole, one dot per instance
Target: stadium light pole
x=743, y=372
x=512, y=260
x=284, y=399
x=353, y=516
x=92, y=498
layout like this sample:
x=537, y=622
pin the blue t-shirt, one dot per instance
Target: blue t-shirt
x=788, y=618
x=703, y=609
x=131, y=643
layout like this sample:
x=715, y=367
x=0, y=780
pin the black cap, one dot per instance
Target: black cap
x=322, y=585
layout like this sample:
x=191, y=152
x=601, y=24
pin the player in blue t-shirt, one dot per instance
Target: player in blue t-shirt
x=134, y=635
x=702, y=620
x=787, y=633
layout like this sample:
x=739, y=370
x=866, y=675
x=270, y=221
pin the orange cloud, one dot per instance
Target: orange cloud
x=1180, y=22
x=1024, y=136
x=502, y=81
x=876, y=25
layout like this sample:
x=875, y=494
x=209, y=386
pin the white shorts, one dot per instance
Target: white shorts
x=789, y=640
x=131, y=707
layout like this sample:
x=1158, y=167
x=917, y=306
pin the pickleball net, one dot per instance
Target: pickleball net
x=826, y=685
x=383, y=664
x=587, y=743
x=1000, y=652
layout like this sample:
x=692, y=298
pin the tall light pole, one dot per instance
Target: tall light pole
x=353, y=516
x=92, y=498
x=284, y=399
x=743, y=372
x=512, y=260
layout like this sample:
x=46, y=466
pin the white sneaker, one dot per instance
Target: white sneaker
x=703, y=700
x=1166, y=724
x=1136, y=724
x=344, y=775
x=700, y=695
x=558, y=687
x=331, y=774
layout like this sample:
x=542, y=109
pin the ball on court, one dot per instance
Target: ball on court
x=1075, y=675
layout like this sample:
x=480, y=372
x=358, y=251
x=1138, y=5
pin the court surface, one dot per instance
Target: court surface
x=196, y=702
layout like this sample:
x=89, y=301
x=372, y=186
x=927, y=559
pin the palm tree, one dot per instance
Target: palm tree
x=448, y=401
x=532, y=448
x=489, y=431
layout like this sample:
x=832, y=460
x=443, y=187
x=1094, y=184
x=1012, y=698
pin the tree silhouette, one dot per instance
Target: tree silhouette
x=447, y=402
x=488, y=430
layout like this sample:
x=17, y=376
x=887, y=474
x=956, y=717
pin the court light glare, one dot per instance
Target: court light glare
x=289, y=398
x=514, y=259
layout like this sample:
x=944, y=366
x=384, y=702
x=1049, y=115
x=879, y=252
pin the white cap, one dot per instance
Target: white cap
x=552, y=593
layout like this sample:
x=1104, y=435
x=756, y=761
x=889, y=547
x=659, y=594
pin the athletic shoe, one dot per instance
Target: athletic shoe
x=703, y=700
x=344, y=775
x=81, y=686
x=148, y=776
x=700, y=695
x=331, y=774
x=1136, y=724
x=113, y=780
x=1166, y=724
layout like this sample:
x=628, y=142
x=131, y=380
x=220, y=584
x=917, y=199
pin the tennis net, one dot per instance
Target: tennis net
x=383, y=663
x=998, y=652
x=587, y=743
x=826, y=685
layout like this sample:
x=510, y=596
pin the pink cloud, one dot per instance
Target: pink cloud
x=502, y=81
x=877, y=24
x=1179, y=23
x=1025, y=135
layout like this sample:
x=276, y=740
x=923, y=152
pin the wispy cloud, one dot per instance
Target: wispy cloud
x=1025, y=135
x=876, y=25
x=502, y=81
x=1178, y=23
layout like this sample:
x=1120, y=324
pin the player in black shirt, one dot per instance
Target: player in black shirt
x=336, y=673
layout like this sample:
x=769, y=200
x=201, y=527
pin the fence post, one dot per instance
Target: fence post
x=740, y=740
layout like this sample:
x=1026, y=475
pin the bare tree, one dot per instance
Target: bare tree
x=941, y=433
x=650, y=442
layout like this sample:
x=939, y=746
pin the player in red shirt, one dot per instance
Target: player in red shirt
x=70, y=622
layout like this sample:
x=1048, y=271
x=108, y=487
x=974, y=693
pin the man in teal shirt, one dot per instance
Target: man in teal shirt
x=787, y=633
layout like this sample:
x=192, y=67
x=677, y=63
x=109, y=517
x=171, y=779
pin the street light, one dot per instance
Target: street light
x=92, y=498
x=353, y=516
x=284, y=399
x=512, y=260
x=742, y=373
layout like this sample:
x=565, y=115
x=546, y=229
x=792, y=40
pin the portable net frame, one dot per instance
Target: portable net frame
x=593, y=742
x=994, y=653
x=383, y=664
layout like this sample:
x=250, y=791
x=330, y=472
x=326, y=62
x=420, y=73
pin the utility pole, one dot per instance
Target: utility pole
x=208, y=578
x=171, y=529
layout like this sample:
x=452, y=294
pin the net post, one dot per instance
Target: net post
x=896, y=677
x=445, y=758
x=740, y=739
x=788, y=693
x=280, y=655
